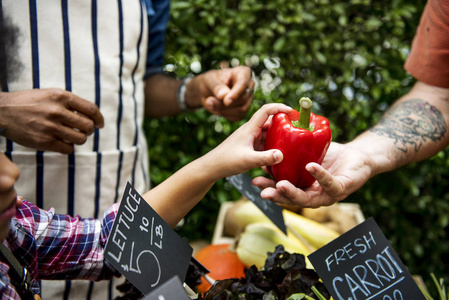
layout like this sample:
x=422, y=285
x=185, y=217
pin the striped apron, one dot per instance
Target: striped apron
x=97, y=50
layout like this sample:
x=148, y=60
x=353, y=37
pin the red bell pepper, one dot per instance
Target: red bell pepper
x=302, y=137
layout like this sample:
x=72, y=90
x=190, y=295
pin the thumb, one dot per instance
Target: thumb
x=220, y=91
x=269, y=157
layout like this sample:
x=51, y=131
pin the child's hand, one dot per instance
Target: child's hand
x=240, y=151
x=177, y=195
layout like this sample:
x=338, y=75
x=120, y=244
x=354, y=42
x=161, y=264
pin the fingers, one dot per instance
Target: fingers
x=218, y=83
x=241, y=92
x=88, y=109
x=59, y=146
x=262, y=115
x=319, y=194
x=49, y=119
x=58, y=139
x=263, y=182
x=76, y=121
x=228, y=92
x=234, y=114
x=284, y=192
x=328, y=183
x=220, y=90
x=68, y=121
x=242, y=86
x=233, y=87
x=78, y=113
x=69, y=135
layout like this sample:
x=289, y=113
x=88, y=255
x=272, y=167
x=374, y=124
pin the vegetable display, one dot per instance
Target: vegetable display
x=262, y=237
x=283, y=277
x=222, y=263
x=303, y=137
x=314, y=233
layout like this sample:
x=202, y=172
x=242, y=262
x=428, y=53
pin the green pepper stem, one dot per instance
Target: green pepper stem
x=305, y=108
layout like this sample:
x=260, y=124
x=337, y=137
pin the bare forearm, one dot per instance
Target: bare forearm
x=413, y=129
x=176, y=196
x=160, y=96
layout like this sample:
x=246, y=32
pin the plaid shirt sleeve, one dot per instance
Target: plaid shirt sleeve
x=60, y=246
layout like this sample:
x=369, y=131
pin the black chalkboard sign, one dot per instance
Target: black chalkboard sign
x=243, y=183
x=143, y=247
x=169, y=290
x=361, y=264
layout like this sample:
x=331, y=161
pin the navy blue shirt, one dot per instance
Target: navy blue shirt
x=158, y=16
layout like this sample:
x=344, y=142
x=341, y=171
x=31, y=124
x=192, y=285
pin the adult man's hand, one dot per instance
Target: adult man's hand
x=344, y=170
x=226, y=92
x=48, y=119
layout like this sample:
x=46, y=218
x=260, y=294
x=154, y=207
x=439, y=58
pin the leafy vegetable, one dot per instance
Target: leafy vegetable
x=283, y=277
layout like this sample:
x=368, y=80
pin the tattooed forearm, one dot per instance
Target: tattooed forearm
x=411, y=123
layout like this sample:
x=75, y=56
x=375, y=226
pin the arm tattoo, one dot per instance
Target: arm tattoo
x=411, y=123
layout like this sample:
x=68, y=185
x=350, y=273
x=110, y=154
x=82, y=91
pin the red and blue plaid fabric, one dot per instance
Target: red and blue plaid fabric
x=54, y=246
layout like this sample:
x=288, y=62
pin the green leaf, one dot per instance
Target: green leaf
x=279, y=44
x=372, y=24
x=175, y=5
x=320, y=57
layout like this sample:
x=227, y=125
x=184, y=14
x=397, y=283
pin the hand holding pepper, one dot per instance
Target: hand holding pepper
x=303, y=138
x=344, y=170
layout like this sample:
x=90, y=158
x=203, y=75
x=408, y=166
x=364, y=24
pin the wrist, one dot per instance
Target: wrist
x=183, y=94
x=377, y=156
x=212, y=166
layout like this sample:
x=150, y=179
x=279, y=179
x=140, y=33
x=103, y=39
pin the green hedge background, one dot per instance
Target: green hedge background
x=345, y=55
